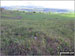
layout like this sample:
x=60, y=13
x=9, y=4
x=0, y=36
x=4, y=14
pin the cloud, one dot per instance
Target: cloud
x=48, y=4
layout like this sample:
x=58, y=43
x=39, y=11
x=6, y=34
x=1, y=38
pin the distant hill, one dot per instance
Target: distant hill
x=36, y=8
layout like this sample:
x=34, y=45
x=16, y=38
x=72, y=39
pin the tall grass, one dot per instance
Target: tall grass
x=53, y=32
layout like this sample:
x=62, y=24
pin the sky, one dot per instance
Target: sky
x=48, y=4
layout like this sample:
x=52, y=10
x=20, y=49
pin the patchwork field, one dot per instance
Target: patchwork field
x=36, y=33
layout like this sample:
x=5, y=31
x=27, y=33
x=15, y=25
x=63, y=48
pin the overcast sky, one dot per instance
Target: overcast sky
x=49, y=4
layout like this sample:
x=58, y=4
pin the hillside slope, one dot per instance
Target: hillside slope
x=32, y=33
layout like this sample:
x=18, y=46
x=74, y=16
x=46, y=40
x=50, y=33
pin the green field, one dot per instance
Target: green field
x=36, y=33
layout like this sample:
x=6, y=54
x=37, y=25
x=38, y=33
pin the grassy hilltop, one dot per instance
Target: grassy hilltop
x=32, y=33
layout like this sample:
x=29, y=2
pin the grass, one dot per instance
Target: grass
x=53, y=32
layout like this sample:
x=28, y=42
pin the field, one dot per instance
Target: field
x=36, y=33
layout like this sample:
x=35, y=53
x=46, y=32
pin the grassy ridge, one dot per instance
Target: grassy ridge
x=53, y=32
